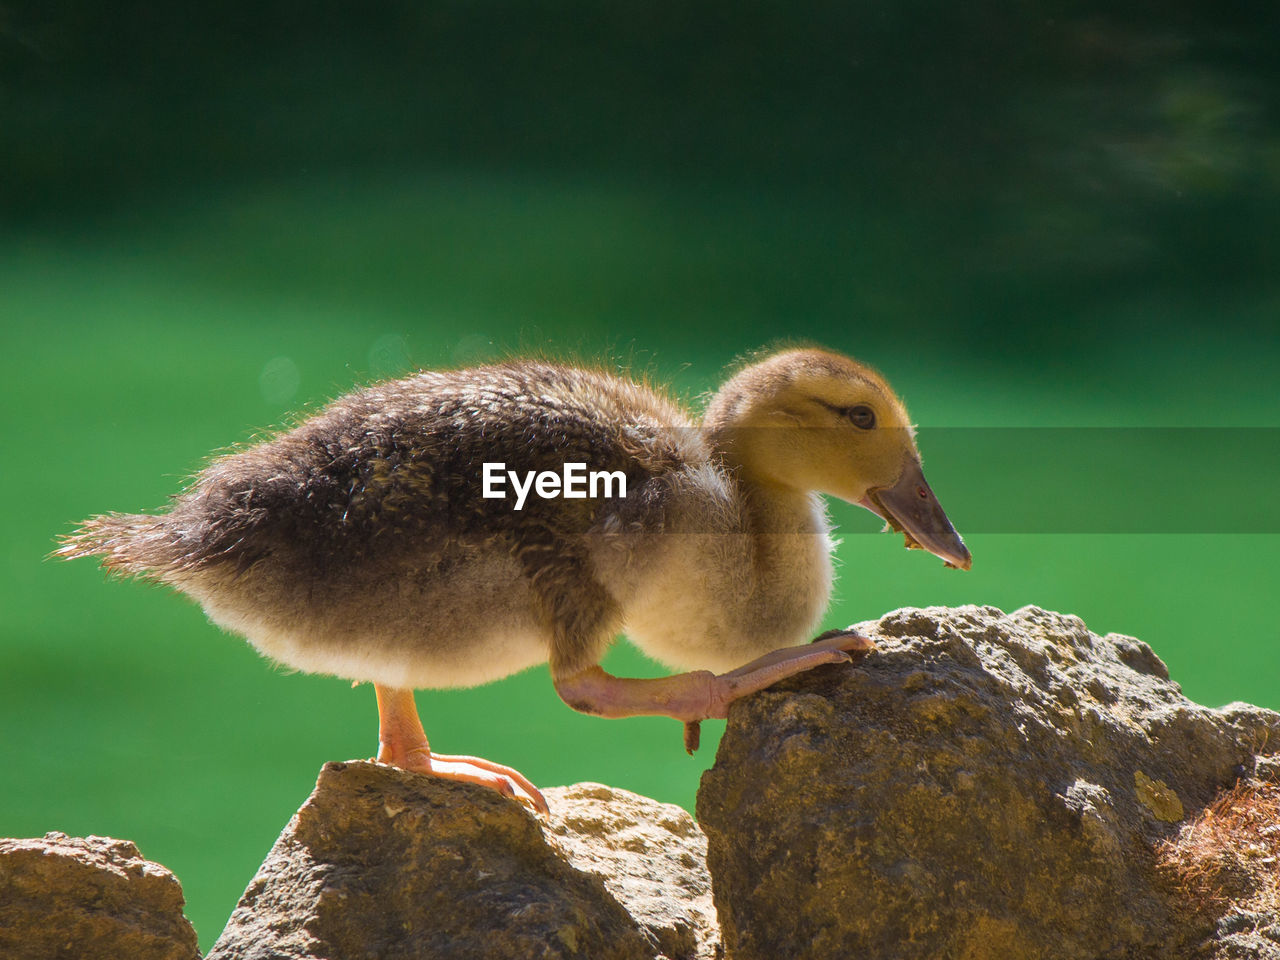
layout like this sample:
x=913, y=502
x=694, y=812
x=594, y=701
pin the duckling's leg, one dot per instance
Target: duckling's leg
x=701, y=694
x=403, y=743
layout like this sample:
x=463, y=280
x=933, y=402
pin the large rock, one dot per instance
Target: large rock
x=380, y=863
x=89, y=898
x=983, y=786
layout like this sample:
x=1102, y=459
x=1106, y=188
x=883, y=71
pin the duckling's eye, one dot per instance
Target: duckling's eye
x=862, y=416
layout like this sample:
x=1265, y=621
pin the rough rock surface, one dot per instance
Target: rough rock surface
x=385, y=864
x=651, y=856
x=1242, y=935
x=91, y=898
x=983, y=786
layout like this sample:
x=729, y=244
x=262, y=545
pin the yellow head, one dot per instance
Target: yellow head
x=812, y=420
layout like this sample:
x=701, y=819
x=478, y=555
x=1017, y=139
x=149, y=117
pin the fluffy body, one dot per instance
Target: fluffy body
x=358, y=543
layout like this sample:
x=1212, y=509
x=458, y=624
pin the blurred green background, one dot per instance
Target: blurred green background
x=1027, y=215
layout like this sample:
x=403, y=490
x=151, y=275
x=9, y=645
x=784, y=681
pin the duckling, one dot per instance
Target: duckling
x=366, y=543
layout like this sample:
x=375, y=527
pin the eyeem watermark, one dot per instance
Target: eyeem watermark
x=574, y=482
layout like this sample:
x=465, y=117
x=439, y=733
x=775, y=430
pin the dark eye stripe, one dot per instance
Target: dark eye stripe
x=861, y=415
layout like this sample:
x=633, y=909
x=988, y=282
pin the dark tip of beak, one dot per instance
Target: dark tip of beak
x=911, y=508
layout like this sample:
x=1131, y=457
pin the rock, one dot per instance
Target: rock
x=91, y=898
x=1243, y=936
x=380, y=863
x=1225, y=863
x=982, y=786
x=651, y=856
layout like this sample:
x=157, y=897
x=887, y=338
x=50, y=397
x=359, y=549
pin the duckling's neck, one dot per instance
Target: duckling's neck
x=758, y=577
x=776, y=517
x=791, y=564
x=770, y=509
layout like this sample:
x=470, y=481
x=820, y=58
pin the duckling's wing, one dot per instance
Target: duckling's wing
x=395, y=471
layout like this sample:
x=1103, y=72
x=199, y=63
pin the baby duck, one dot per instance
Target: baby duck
x=372, y=542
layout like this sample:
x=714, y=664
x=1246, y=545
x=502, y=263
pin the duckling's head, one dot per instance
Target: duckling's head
x=813, y=420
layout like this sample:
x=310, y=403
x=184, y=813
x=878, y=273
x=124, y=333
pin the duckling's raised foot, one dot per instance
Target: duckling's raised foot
x=701, y=694
x=403, y=743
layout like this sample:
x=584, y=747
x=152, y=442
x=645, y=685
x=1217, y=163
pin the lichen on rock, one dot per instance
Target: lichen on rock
x=1225, y=862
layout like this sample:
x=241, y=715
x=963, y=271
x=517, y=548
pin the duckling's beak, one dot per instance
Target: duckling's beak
x=910, y=507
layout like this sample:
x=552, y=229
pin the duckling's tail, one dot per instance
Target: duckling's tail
x=133, y=544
